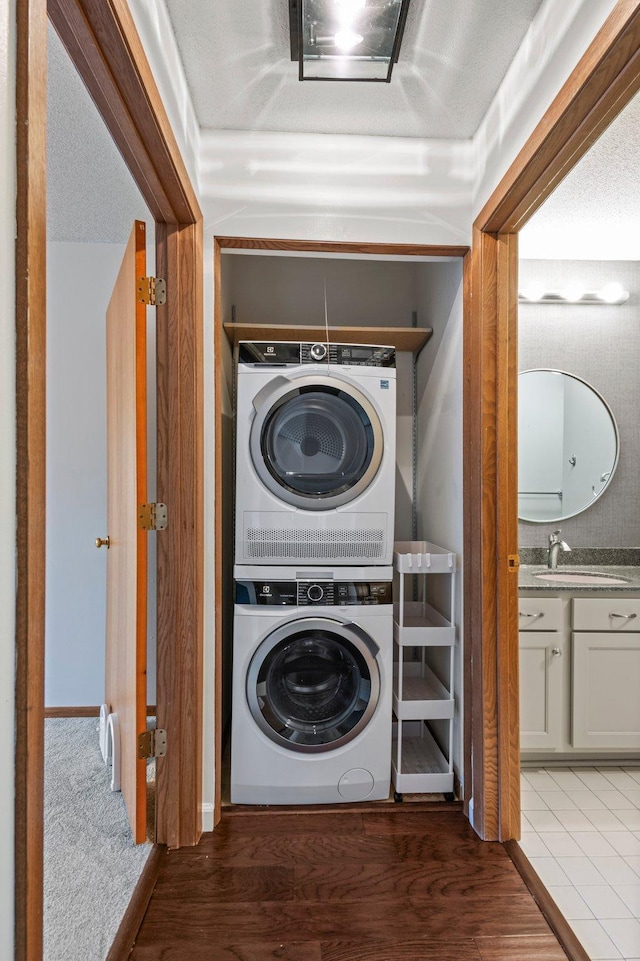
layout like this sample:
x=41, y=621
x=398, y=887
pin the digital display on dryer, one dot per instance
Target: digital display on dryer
x=366, y=593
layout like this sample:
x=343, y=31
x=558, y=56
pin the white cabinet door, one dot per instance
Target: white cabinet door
x=606, y=690
x=541, y=654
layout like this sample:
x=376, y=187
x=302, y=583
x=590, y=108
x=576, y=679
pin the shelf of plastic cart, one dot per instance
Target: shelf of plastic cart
x=422, y=557
x=422, y=694
x=419, y=624
x=423, y=769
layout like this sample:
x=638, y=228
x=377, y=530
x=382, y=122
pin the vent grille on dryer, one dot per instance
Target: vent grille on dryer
x=312, y=544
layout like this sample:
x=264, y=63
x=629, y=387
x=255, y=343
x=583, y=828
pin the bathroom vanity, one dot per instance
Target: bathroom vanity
x=579, y=663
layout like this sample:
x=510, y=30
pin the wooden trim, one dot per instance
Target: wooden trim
x=601, y=85
x=31, y=107
x=550, y=910
x=469, y=532
x=603, y=82
x=330, y=247
x=480, y=619
x=127, y=933
x=353, y=807
x=507, y=535
x=218, y=335
x=180, y=547
x=93, y=711
x=266, y=244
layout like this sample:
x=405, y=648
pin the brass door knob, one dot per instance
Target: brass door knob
x=103, y=542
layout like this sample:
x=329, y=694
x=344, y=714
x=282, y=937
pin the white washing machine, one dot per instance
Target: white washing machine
x=315, y=453
x=312, y=677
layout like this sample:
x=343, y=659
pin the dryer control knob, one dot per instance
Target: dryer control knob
x=315, y=592
x=318, y=351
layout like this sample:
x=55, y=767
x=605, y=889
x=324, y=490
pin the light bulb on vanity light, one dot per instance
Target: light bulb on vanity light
x=613, y=293
x=533, y=292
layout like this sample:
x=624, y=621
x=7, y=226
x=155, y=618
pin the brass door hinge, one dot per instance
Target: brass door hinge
x=513, y=562
x=152, y=291
x=152, y=517
x=152, y=743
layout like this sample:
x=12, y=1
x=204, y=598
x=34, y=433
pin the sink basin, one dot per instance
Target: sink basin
x=581, y=577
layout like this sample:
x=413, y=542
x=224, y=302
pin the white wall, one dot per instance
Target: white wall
x=80, y=279
x=556, y=40
x=440, y=451
x=7, y=468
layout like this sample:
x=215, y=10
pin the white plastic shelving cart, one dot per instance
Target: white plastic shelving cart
x=420, y=764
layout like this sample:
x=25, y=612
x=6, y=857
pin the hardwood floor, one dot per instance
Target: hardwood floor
x=400, y=885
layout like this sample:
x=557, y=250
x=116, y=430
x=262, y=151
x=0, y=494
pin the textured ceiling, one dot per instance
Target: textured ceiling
x=454, y=54
x=595, y=212
x=91, y=196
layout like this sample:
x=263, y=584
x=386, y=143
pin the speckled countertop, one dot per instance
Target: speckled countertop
x=631, y=573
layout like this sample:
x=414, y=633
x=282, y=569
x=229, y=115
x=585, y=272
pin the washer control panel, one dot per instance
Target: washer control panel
x=283, y=354
x=314, y=593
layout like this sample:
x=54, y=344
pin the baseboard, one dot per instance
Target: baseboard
x=207, y=817
x=550, y=910
x=136, y=909
x=92, y=711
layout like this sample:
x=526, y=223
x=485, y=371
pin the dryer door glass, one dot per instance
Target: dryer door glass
x=319, y=444
x=313, y=690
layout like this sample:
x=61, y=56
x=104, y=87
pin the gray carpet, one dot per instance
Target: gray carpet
x=91, y=864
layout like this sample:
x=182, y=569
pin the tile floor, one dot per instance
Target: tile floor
x=581, y=832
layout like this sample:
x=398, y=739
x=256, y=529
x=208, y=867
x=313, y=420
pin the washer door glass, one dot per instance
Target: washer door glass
x=320, y=446
x=313, y=689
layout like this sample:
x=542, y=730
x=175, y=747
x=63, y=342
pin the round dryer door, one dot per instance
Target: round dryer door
x=316, y=443
x=314, y=684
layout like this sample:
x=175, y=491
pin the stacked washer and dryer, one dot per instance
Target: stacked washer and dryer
x=313, y=614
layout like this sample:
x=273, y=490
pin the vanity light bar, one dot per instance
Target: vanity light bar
x=610, y=294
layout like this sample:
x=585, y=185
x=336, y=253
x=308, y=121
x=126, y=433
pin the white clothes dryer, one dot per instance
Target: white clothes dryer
x=312, y=679
x=315, y=453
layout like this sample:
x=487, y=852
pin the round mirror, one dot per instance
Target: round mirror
x=568, y=445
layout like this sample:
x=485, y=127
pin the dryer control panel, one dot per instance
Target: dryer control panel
x=282, y=354
x=313, y=593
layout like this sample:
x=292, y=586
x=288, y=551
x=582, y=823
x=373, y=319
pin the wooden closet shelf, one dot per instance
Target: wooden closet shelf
x=402, y=338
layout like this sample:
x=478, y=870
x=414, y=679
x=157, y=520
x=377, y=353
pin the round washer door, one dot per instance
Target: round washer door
x=314, y=684
x=316, y=442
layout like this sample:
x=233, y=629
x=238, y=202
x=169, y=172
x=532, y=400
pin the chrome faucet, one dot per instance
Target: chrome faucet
x=555, y=545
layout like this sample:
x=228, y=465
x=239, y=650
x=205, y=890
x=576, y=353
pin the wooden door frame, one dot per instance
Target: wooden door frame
x=603, y=82
x=103, y=43
x=307, y=246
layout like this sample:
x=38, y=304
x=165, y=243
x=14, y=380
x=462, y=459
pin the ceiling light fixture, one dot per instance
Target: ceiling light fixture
x=612, y=293
x=346, y=39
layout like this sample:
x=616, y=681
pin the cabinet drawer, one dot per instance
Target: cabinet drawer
x=606, y=613
x=540, y=613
